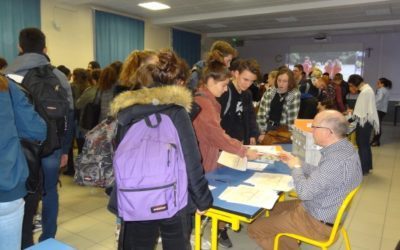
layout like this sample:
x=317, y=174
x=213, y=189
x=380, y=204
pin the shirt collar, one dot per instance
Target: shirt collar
x=335, y=146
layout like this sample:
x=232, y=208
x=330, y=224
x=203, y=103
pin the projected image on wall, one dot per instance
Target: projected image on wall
x=345, y=62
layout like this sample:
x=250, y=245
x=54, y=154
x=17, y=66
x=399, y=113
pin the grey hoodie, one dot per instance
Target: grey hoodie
x=23, y=63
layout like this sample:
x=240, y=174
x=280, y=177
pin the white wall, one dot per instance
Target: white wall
x=69, y=34
x=384, y=60
x=156, y=37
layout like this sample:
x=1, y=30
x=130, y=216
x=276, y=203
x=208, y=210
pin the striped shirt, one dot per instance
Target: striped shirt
x=323, y=188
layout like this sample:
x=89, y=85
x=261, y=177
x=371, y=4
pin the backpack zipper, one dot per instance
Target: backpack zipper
x=152, y=188
x=175, y=194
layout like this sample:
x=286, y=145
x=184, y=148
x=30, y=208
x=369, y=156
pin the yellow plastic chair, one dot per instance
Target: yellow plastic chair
x=340, y=217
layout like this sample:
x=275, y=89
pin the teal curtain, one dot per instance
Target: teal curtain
x=14, y=16
x=187, y=45
x=116, y=36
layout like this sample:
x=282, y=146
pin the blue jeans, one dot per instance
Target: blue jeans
x=51, y=167
x=11, y=215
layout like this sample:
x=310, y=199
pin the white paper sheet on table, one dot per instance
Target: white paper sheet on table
x=232, y=161
x=279, y=182
x=258, y=166
x=211, y=187
x=248, y=195
x=241, y=164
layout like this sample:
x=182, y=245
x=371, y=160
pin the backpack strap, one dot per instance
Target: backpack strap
x=228, y=104
x=148, y=121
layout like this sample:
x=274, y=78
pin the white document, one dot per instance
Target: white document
x=278, y=182
x=258, y=166
x=232, y=161
x=252, y=196
x=211, y=187
x=268, y=156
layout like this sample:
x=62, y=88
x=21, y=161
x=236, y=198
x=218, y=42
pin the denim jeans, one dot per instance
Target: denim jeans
x=51, y=167
x=11, y=215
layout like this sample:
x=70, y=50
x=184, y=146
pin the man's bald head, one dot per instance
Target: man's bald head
x=333, y=120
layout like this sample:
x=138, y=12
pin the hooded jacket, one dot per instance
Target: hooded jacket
x=18, y=120
x=140, y=103
x=212, y=137
x=23, y=63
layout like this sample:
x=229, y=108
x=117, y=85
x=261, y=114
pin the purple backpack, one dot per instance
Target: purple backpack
x=150, y=171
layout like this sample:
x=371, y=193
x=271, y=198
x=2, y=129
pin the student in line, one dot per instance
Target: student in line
x=366, y=117
x=382, y=101
x=18, y=120
x=238, y=117
x=207, y=124
x=228, y=53
x=163, y=85
x=279, y=106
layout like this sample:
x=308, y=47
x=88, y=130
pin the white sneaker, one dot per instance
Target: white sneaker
x=205, y=244
x=116, y=233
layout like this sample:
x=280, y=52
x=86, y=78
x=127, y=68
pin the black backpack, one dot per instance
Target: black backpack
x=49, y=98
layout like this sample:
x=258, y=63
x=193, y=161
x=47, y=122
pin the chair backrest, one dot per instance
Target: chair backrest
x=341, y=215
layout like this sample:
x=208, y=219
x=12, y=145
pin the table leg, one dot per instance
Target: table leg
x=197, y=231
x=214, y=233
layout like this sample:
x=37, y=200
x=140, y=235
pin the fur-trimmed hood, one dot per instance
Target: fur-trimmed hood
x=173, y=94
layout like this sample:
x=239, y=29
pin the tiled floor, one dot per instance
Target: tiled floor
x=373, y=223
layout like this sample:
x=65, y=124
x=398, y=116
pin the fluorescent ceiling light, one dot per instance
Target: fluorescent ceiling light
x=154, y=6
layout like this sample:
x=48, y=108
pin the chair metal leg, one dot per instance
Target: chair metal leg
x=346, y=239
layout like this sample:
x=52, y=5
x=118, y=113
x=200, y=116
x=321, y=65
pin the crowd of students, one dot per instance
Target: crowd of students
x=218, y=98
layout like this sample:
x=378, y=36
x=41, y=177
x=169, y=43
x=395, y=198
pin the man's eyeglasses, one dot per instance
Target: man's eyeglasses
x=315, y=127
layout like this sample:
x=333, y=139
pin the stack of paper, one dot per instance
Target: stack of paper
x=278, y=182
x=268, y=154
x=251, y=196
x=232, y=161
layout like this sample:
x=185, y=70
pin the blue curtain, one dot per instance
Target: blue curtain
x=187, y=45
x=116, y=36
x=14, y=16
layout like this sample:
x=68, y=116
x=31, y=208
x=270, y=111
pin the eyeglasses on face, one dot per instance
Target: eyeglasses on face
x=315, y=127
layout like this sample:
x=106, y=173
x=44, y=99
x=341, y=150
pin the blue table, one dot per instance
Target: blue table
x=224, y=177
x=233, y=213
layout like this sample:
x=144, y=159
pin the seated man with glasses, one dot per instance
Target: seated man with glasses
x=321, y=189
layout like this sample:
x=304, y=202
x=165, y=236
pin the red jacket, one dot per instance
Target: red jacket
x=210, y=134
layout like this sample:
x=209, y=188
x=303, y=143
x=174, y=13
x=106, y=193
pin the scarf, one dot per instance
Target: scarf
x=365, y=109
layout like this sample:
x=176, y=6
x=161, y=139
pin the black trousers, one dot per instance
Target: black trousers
x=31, y=205
x=143, y=235
x=363, y=135
x=377, y=137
